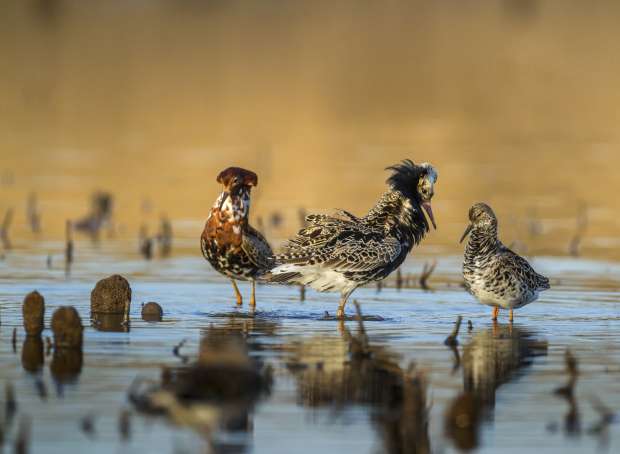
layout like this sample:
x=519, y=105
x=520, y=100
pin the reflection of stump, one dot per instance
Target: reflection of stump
x=462, y=421
x=32, y=354
x=66, y=365
x=111, y=295
x=67, y=328
x=114, y=323
x=33, y=311
x=152, y=312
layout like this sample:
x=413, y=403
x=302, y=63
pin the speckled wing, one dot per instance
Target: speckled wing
x=323, y=230
x=345, y=245
x=257, y=249
x=364, y=253
x=518, y=266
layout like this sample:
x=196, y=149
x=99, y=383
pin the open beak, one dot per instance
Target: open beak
x=429, y=212
x=225, y=195
x=466, y=232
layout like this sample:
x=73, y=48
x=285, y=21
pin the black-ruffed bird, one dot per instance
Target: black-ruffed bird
x=340, y=253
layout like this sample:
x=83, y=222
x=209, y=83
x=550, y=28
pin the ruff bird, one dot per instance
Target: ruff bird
x=494, y=274
x=341, y=252
x=230, y=244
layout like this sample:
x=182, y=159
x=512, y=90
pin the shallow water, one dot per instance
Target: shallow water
x=321, y=398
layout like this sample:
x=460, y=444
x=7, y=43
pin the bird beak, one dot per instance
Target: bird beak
x=466, y=232
x=225, y=195
x=429, y=212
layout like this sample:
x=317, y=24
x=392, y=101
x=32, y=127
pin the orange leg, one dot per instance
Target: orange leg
x=343, y=302
x=253, y=296
x=495, y=313
x=340, y=311
x=511, y=317
x=237, y=293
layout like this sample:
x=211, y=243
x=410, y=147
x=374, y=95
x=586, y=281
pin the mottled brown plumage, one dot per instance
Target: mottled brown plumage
x=230, y=244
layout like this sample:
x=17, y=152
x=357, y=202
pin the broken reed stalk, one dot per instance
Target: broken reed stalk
x=302, y=292
x=48, y=345
x=32, y=213
x=363, y=346
x=582, y=225
x=176, y=351
x=68, y=244
x=4, y=229
x=124, y=424
x=451, y=340
x=146, y=243
x=426, y=273
x=10, y=404
x=360, y=320
x=165, y=236
x=41, y=389
x=399, y=279
x=301, y=213
x=22, y=441
x=572, y=369
x=87, y=424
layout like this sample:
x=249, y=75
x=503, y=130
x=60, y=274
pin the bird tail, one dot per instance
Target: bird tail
x=543, y=282
x=281, y=274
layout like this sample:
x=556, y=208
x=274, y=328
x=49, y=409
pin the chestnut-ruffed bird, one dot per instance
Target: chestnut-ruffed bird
x=494, y=274
x=340, y=253
x=230, y=244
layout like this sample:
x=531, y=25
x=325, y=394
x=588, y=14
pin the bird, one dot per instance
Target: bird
x=340, y=252
x=493, y=273
x=228, y=242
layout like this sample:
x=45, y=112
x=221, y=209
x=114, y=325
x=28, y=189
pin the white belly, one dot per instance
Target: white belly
x=318, y=278
x=506, y=301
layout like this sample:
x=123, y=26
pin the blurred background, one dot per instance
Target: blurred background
x=516, y=102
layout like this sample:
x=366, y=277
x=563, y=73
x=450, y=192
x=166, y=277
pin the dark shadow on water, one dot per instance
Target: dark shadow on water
x=325, y=316
x=351, y=318
x=491, y=358
x=343, y=371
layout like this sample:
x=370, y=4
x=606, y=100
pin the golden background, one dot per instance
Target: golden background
x=516, y=102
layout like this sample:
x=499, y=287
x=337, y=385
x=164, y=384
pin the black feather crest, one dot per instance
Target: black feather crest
x=405, y=177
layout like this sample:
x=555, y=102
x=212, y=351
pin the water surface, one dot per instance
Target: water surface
x=323, y=397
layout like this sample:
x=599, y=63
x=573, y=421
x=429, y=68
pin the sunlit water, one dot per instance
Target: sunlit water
x=513, y=371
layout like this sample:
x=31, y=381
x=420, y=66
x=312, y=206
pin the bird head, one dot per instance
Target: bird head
x=481, y=216
x=416, y=181
x=235, y=177
x=236, y=181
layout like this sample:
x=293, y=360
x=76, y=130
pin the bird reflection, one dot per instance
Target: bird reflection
x=348, y=370
x=491, y=358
